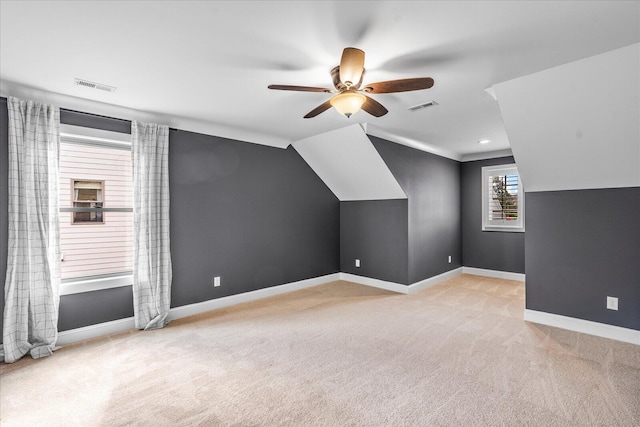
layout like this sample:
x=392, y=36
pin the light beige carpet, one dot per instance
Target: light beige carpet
x=340, y=354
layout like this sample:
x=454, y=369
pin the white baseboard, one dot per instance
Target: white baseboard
x=376, y=283
x=95, y=331
x=423, y=284
x=202, y=307
x=584, y=326
x=520, y=277
x=121, y=325
x=398, y=287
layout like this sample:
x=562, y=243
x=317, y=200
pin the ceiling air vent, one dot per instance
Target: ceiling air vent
x=421, y=106
x=92, y=85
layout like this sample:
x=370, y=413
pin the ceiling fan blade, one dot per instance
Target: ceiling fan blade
x=403, y=85
x=351, y=66
x=299, y=88
x=319, y=109
x=374, y=108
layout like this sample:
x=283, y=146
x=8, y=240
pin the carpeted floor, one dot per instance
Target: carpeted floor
x=339, y=354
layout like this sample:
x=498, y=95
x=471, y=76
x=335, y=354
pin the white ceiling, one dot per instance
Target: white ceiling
x=206, y=65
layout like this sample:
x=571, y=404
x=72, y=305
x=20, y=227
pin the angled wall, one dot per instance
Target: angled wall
x=350, y=166
x=575, y=134
x=576, y=126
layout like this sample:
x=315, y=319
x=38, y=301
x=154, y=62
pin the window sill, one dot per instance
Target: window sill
x=84, y=285
x=504, y=229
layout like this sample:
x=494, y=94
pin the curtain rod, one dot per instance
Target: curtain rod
x=93, y=114
x=101, y=116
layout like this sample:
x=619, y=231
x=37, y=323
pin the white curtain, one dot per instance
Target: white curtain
x=152, y=258
x=32, y=285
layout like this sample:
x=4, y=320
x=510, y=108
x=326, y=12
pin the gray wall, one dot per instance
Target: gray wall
x=492, y=250
x=432, y=184
x=376, y=233
x=581, y=247
x=256, y=216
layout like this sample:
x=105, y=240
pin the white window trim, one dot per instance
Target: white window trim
x=87, y=285
x=80, y=134
x=96, y=136
x=487, y=171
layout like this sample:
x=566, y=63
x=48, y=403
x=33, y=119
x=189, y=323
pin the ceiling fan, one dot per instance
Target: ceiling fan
x=351, y=97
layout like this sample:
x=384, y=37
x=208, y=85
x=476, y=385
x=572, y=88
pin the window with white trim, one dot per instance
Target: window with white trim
x=502, y=199
x=96, y=209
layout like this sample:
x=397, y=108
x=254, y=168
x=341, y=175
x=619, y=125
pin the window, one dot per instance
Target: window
x=87, y=194
x=96, y=209
x=502, y=199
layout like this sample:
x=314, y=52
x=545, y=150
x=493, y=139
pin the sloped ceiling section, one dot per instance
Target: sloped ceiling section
x=576, y=126
x=348, y=163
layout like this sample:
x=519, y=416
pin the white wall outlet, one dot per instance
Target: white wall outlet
x=612, y=303
x=357, y=263
x=216, y=281
x=449, y=259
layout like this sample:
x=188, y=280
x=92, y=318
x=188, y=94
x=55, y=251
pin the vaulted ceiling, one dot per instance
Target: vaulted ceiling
x=205, y=66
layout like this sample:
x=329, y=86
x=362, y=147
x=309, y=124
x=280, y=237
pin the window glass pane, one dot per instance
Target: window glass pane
x=502, y=202
x=95, y=243
x=504, y=197
x=91, y=250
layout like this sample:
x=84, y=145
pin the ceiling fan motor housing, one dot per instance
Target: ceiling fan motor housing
x=335, y=76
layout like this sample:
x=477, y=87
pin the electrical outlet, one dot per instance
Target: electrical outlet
x=612, y=303
x=357, y=263
x=216, y=281
x=449, y=259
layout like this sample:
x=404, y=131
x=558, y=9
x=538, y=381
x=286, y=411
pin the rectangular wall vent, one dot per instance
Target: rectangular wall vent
x=93, y=85
x=421, y=106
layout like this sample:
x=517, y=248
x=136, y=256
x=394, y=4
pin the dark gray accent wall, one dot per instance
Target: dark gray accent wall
x=376, y=233
x=90, y=308
x=255, y=215
x=432, y=185
x=492, y=250
x=581, y=247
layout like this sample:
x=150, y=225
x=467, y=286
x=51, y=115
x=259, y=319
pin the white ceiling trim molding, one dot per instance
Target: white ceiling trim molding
x=95, y=107
x=577, y=126
x=487, y=155
x=409, y=142
x=348, y=163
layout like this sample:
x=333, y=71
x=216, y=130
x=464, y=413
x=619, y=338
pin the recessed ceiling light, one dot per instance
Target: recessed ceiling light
x=484, y=141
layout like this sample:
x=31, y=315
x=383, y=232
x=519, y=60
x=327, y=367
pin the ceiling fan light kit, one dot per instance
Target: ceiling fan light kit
x=348, y=102
x=351, y=98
